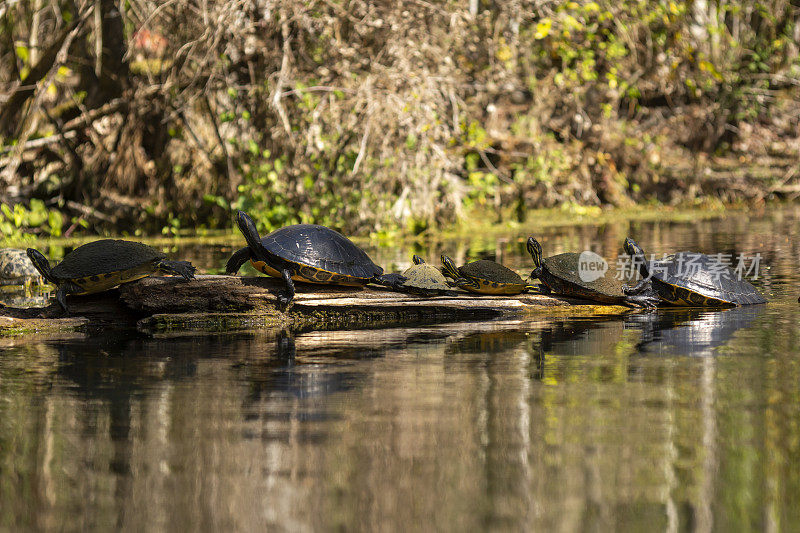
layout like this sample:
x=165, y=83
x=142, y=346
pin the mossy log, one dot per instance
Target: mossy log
x=223, y=303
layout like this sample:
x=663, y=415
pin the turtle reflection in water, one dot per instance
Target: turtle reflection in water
x=690, y=331
x=105, y=264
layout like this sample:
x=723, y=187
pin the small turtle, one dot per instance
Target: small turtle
x=104, y=264
x=309, y=253
x=483, y=277
x=424, y=279
x=17, y=269
x=560, y=274
x=690, y=279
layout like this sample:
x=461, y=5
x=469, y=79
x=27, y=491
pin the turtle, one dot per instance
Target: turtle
x=105, y=264
x=559, y=274
x=690, y=279
x=484, y=277
x=424, y=279
x=309, y=253
x=17, y=269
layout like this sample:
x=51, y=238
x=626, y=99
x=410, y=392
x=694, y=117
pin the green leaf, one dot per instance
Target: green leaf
x=22, y=52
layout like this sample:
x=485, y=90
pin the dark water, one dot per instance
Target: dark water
x=677, y=420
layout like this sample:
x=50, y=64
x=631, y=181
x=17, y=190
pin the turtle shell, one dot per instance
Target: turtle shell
x=425, y=277
x=15, y=265
x=321, y=248
x=104, y=256
x=691, y=278
x=564, y=267
x=490, y=271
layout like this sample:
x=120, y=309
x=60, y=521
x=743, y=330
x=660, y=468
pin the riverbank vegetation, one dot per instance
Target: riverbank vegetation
x=374, y=116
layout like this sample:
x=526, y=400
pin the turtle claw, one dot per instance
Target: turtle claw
x=180, y=268
x=649, y=302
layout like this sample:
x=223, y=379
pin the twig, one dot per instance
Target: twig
x=229, y=163
x=46, y=69
x=363, y=148
x=37, y=143
x=791, y=173
x=456, y=125
x=69, y=128
x=21, y=93
x=88, y=211
x=494, y=169
x=282, y=75
x=87, y=117
x=33, y=40
x=65, y=142
x=98, y=39
x=317, y=88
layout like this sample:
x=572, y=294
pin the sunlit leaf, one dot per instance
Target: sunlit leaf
x=543, y=28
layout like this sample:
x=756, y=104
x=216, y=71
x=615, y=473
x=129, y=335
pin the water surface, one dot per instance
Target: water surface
x=677, y=420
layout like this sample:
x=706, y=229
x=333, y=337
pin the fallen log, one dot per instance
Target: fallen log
x=224, y=303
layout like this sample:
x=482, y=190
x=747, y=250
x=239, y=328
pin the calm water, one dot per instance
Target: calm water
x=681, y=420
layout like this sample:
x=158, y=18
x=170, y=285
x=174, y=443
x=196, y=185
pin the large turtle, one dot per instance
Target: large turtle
x=690, y=279
x=309, y=253
x=104, y=264
x=16, y=268
x=484, y=277
x=424, y=279
x=560, y=274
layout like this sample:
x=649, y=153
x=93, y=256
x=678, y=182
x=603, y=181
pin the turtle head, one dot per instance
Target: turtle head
x=535, y=249
x=449, y=268
x=418, y=260
x=633, y=249
x=248, y=229
x=41, y=263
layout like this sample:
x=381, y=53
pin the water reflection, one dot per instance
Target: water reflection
x=541, y=424
x=691, y=331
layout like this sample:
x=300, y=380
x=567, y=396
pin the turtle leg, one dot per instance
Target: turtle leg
x=393, y=281
x=239, y=258
x=541, y=288
x=179, y=268
x=285, y=298
x=536, y=273
x=639, y=288
x=641, y=295
x=61, y=294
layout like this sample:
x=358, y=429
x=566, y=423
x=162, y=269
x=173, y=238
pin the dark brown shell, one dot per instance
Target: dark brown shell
x=491, y=271
x=104, y=256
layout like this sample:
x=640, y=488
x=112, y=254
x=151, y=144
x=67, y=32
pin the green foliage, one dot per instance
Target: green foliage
x=483, y=186
x=263, y=192
x=20, y=223
x=388, y=122
x=173, y=225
